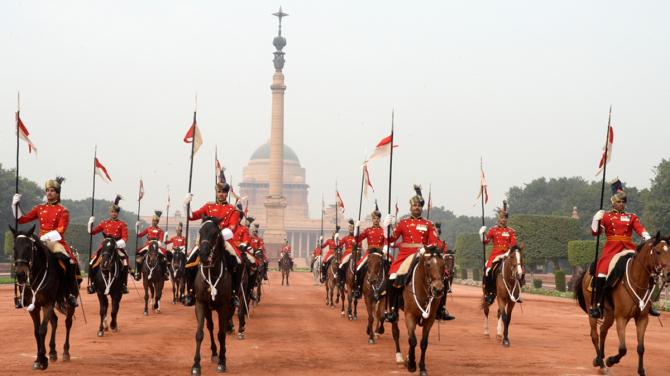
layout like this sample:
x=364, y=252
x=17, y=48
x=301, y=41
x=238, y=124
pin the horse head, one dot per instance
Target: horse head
x=659, y=261
x=515, y=256
x=210, y=241
x=25, y=246
x=449, y=264
x=376, y=274
x=178, y=260
x=107, y=254
x=153, y=254
x=433, y=266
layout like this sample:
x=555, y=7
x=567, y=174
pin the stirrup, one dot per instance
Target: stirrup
x=236, y=300
x=490, y=298
x=90, y=289
x=73, y=301
x=124, y=289
x=596, y=312
x=654, y=312
x=391, y=317
x=189, y=301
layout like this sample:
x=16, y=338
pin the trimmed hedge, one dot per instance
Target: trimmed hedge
x=476, y=274
x=581, y=252
x=464, y=273
x=559, y=276
x=468, y=249
x=537, y=283
x=546, y=236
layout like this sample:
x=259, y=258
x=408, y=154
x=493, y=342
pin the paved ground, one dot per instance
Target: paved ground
x=292, y=332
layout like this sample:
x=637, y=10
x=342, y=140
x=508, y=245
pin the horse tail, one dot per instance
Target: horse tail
x=579, y=291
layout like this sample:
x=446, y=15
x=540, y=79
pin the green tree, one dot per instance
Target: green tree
x=468, y=249
x=581, y=252
x=546, y=237
x=453, y=226
x=656, y=214
x=8, y=245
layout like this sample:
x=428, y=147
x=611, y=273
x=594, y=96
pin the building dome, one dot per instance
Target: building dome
x=263, y=152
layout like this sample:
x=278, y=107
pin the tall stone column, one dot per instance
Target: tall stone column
x=275, y=202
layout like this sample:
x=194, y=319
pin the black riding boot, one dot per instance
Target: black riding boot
x=138, y=271
x=489, y=287
x=73, y=285
x=190, y=274
x=341, y=276
x=124, y=280
x=324, y=268
x=442, y=313
x=237, y=275
x=599, y=290
x=393, y=296
x=91, y=276
x=265, y=270
x=358, y=282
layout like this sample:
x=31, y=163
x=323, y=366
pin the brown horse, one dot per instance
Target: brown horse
x=108, y=283
x=421, y=298
x=509, y=277
x=38, y=275
x=332, y=283
x=152, y=278
x=374, y=281
x=178, y=269
x=213, y=292
x=628, y=298
x=285, y=267
x=348, y=286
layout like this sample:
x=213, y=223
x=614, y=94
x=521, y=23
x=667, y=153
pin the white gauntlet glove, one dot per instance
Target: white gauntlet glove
x=120, y=244
x=165, y=238
x=646, y=236
x=227, y=234
x=137, y=226
x=388, y=220
x=596, y=218
x=16, y=210
x=482, y=230
x=90, y=224
x=51, y=236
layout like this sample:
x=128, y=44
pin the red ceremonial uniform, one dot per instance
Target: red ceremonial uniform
x=111, y=228
x=176, y=241
x=153, y=233
x=52, y=217
x=258, y=245
x=347, y=243
x=376, y=240
x=286, y=249
x=316, y=252
x=441, y=246
x=330, y=243
x=503, y=239
x=240, y=236
x=415, y=233
x=229, y=216
x=619, y=229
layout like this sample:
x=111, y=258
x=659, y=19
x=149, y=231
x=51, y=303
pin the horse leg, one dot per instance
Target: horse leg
x=486, y=319
x=53, y=355
x=40, y=333
x=241, y=313
x=621, y=331
x=396, y=339
x=200, y=317
x=350, y=297
x=507, y=318
x=146, y=298
x=221, y=367
x=210, y=329
x=380, y=315
x=499, y=328
x=641, y=328
x=68, y=327
x=116, y=303
x=174, y=291
x=355, y=309
x=424, y=346
x=599, y=338
x=102, y=299
x=159, y=295
x=369, y=305
x=411, y=332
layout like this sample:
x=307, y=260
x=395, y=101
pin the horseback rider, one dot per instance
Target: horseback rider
x=418, y=235
x=54, y=219
x=111, y=228
x=618, y=226
x=178, y=241
x=332, y=245
x=376, y=243
x=229, y=220
x=259, y=247
x=315, y=253
x=153, y=233
x=503, y=238
x=347, y=243
x=442, y=313
x=286, y=249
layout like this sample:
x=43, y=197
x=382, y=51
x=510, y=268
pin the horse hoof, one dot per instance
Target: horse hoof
x=101, y=333
x=411, y=367
x=505, y=342
x=146, y=313
x=423, y=373
x=40, y=366
x=195, y=371
x=66, y=357
x=342, y=313
x=598, y=362
x=53, y=357
x=399, y=359
x=158, y=310
x=371, y=341
x=355, y=317
x=221, y=368
x=115, y=329
x=215, y=359
x=611, y=361
x=240, y=335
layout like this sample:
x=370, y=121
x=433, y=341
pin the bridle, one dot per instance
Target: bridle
x=380, y=276
x=427, y=282
x=517, y=274
x=29, y=283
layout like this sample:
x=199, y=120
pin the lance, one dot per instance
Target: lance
x=139, y=202
x=358, y=230
x=167, y=212
x=322, y=209
x=90, y=236
x=430, y=200
x=602, y=190
x=481, y=192
x=388, y=228
x=190, y=173
x=16, y=208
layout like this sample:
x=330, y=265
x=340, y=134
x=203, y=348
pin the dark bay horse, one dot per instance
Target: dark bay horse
x=247, y=278
x=628, y=298
x=332, y=282
x=39, y=275
x=178, y=266
x=108, y=282
x=153, y=277
x=421, y=299
x=510, y=278
x=374, y=281
x=213, y=292
x=285, y=268
x=348, y=286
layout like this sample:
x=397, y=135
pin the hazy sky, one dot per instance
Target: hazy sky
x=525, y=84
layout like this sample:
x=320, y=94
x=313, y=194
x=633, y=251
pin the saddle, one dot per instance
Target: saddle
x=618, y=270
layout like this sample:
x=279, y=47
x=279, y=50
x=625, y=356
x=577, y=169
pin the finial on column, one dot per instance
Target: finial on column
x=279, y=42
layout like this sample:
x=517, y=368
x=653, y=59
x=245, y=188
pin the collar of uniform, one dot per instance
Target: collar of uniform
x=618, y=211
x=500, y=226
x=413, y=217
x=53, y=203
